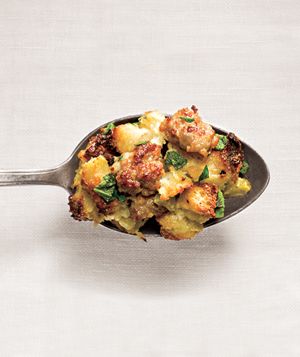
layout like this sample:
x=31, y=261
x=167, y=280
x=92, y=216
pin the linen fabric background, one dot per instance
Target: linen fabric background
x=72, y=289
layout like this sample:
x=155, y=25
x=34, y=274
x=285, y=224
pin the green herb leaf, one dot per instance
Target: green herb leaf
x=107, y=189
x=187, y=119
x=220, y=199
x=108, y=194
x=219, y=212
x=205, y=174
x=120, y=157
x=245, y=167
x=107, y=181
x=220, y=206
x=121, y=198
x=142, y=143
x=108, y=128
x=222, y=142
x=175, y=159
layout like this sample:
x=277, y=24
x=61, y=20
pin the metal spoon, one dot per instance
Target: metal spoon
x=63, y=175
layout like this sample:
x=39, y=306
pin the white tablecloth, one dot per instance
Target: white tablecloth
x=70, y=289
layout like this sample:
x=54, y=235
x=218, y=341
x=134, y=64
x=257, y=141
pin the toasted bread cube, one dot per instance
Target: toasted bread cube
x=172, y=183
x=93, y=171
x=152, y=120
x=238, y=188
x=200, y=198
x=177, y=226
x=127, y=136
x=219, y=169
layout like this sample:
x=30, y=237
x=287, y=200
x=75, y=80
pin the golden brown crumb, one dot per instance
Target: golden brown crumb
x=76, y=208
x=168, y=235
x=200, y=198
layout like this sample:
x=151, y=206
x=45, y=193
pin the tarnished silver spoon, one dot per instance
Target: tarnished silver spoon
x=63, y=175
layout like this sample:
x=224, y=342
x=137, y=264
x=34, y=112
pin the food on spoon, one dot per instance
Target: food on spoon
x=186, y=129
x=175, y=169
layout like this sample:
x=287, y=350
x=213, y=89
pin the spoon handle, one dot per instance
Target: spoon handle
x=54, y=176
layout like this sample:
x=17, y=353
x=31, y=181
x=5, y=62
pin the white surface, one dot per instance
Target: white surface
x=68, y=289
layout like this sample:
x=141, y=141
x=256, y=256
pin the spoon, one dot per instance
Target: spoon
x=63, y=175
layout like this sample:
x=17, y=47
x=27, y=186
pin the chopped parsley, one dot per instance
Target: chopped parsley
x=187, y=119
x=142, y=143
x=220, y=206
x=108, y=181
x=175, y=159
x=109, y=128
x=205, y=174
x=222, y=142
x=107, y=189
x=120, y=197
x=219, y=211
x=245, y=167
x=107, y=193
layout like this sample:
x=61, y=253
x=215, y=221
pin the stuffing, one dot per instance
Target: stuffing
x=171, y=168
x=201, y=198
x=99, y=144
x=176, y=226
x=173, y=183
x=238, y=188
x=141, y=171
x=127, y=136
x=225, y=161
x=186, y=129
x=93, y=171
x=142, y=208
x=194, y=164
x=83, y=207
x=219, y=169
x=152, y=121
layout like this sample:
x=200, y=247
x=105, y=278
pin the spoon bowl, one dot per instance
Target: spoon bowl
x=63, y=175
